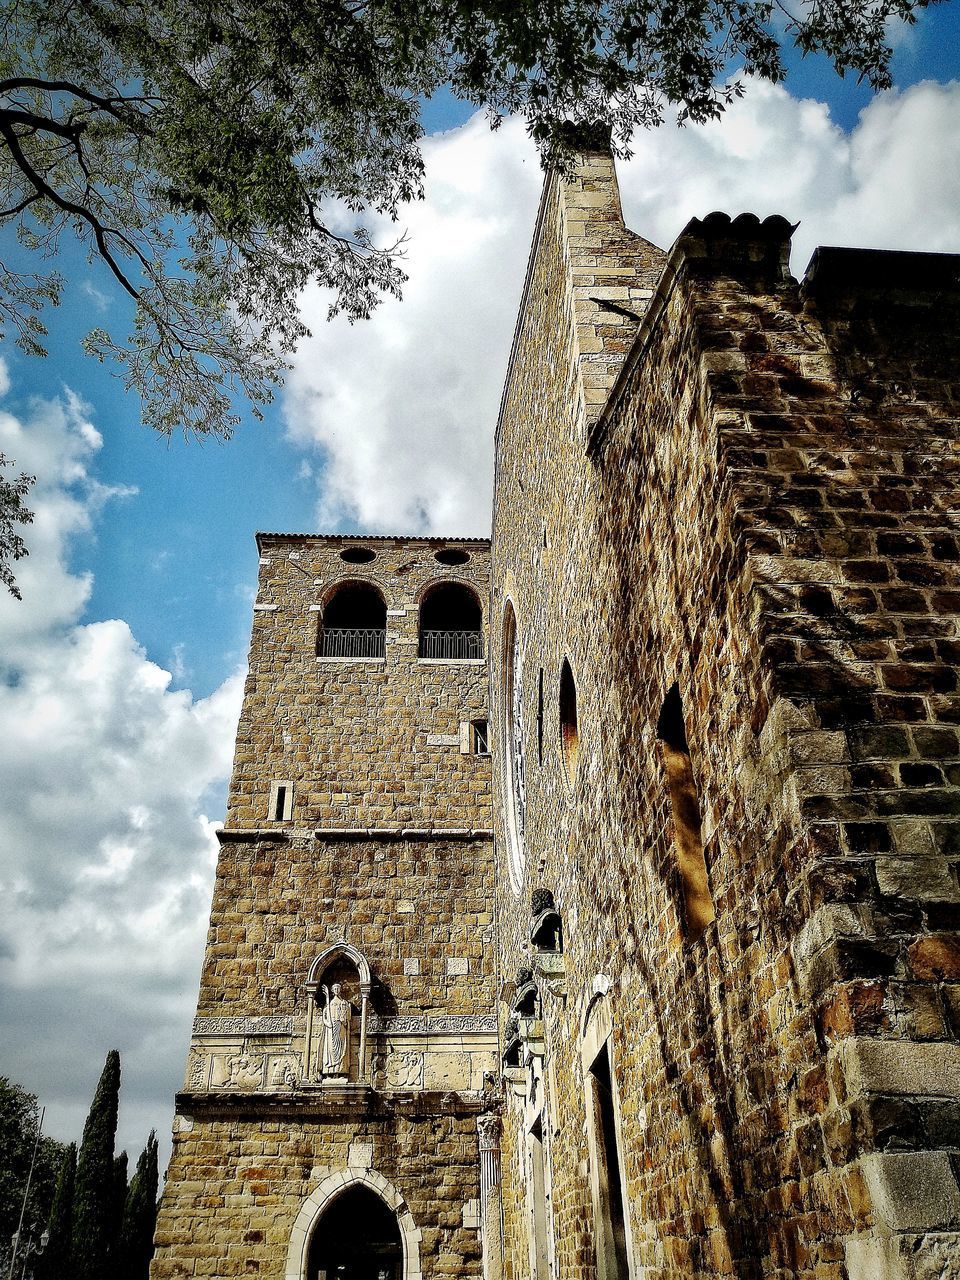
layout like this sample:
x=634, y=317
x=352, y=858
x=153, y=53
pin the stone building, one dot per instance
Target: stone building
x=678, y=995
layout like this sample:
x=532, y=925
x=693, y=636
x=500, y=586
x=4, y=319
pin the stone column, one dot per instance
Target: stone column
x=491, y=1220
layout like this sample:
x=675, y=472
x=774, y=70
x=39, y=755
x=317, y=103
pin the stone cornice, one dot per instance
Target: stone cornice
x=248, y=835
x=328, y=1102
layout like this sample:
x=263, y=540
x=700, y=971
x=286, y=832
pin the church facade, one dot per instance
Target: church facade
x=588, y=903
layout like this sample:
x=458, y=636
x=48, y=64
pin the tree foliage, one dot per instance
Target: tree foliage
x=140, y=1216
x=19, y=1116
x=13, y=512
x=218, y=157
x=215, y=156
x=120, y=1190
x=55, y=1261
x=95, y=1192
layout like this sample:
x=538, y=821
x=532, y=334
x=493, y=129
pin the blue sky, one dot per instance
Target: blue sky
x=173, y=558
x=123, y=664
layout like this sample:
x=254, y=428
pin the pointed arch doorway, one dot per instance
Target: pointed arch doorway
x=356, y=1238
x=314, y=1235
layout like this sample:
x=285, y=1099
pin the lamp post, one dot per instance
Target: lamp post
x=31, y=1245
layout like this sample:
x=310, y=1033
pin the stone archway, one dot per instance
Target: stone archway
x=324, y=1198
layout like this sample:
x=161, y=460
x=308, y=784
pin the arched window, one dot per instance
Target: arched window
x=451, y=623
x=357, y=1236
x=569, y=725
x=354, y=623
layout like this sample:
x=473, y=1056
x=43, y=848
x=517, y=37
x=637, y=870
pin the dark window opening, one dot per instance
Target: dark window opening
x=612, y=1227
x=540, y=718
x=354, y=623
x=685, y=806
x=357, y=1238
x=358, y=555
x=450, y=555
x=281, y=804
x=480, y=737
x=569, y=728
x=450, y=623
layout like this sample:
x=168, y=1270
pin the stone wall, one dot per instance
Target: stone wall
x=761, y=514
x=371, y=743
x=237, y=1185
x=357, y=850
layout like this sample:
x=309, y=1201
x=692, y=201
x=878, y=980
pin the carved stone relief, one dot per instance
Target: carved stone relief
x=405, y=1070
x=285, y=1071
x=425, y=1025
x=267, y=1026
x=237, y=1071
x=197, y=1067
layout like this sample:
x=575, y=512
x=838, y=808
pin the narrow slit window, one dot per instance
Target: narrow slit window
x=540, y=718
x=685, y=806
x=612, y=1227
x=480, y=737
x=538, y=1204
x=281, y=801
x=569, y=724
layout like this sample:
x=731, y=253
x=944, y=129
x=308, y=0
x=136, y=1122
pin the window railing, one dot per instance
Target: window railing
x=451, y=644
x=352, y=642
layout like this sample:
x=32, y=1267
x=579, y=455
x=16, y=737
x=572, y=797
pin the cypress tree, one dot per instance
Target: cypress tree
x=54, y=1263
x=140, y=1215
x=120, y=1163
x=94, y=1194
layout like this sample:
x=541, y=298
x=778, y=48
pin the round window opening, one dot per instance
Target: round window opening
x=357, y=555
x=451, y=555
x=569, y=731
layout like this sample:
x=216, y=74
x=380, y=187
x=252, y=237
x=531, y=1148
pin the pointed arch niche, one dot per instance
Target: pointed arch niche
x=344, y=965
x=306, y=1246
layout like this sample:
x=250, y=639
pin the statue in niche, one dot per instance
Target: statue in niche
x=336, y=1016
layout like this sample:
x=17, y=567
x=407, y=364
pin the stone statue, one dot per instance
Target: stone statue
x=337, y=1013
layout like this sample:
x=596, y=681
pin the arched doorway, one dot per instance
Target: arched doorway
x=356, y=1238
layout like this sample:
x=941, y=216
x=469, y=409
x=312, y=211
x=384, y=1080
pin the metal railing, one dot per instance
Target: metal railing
x=352, y=642
x=451, y=644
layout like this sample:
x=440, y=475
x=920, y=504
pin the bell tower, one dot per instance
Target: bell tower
x=345, y=1034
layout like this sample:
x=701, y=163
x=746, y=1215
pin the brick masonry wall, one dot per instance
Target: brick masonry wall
x=763, y=514
x=277, y=906
x=355, y=736
x=235, y=1187
x=387, y=849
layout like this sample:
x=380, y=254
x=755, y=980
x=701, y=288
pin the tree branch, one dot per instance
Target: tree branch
x=75, y=210
x=14, y=83
x=19, y=208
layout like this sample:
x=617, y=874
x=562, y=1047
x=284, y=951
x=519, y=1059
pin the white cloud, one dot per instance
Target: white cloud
x=403, y=407
x=106, y=852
